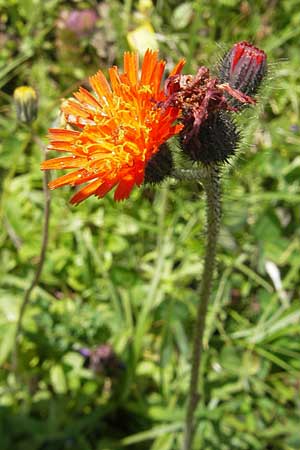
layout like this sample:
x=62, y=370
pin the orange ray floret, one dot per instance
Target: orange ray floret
x=118, y=129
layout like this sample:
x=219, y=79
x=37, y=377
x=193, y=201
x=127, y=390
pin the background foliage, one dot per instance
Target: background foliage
x=127, y=273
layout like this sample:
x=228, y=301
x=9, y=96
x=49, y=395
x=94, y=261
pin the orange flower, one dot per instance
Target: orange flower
x=116, y=131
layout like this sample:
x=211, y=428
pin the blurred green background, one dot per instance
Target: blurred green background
x=126, y=274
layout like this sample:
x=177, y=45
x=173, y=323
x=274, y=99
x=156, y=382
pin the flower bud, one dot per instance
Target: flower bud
x=216, y=140
x=26, y=103
x=243, y=68
x=209, y=134
x=159, y=166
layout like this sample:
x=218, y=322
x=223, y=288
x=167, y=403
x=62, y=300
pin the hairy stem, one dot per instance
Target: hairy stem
x=212, y=189
x=190, y=174
x=39, y=267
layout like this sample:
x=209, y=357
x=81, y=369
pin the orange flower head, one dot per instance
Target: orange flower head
x=116, y=130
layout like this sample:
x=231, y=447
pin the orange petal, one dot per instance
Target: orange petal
x=124, y=188
x=66, y=162
x=63, y=134
x=105, y=188
x=115, y=80
x=139, y=177
x=74, y=107
x=149, y=63
x=178, y=68
x=86, y=192
x=73, y=178
x=131, y=65
x=85, y=96
x=157, y=76
x=101, y=86
x=60, y=146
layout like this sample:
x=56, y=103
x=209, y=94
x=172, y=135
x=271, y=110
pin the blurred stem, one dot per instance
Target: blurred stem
x=40, y=264
x=148, y=303
x=213, y=203
x=193, y=39
x=127, y=14
x=143, y=317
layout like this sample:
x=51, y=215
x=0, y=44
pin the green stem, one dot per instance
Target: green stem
x=212, y=189
x=190, y=174
x=39, y=267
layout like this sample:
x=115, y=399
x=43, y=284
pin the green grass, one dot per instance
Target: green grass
x=127, y=273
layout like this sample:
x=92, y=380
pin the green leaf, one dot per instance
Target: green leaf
x=58, y=379
x=7, y=333
x=182, y=15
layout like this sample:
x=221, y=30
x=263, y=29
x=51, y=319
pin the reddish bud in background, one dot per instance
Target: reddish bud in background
x=244, y=68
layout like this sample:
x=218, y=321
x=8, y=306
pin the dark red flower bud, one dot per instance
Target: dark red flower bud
x=159, y=166
x=210, y=134
x=243, y=68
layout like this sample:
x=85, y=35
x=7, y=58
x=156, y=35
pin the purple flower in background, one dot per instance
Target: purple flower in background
x=102, y=360
x=80, y=22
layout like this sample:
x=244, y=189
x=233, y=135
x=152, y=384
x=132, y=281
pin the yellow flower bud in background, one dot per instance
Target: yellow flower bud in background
x=26, y=102
x=142, y=36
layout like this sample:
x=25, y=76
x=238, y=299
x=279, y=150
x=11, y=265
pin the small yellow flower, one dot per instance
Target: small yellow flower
x=26, y=102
